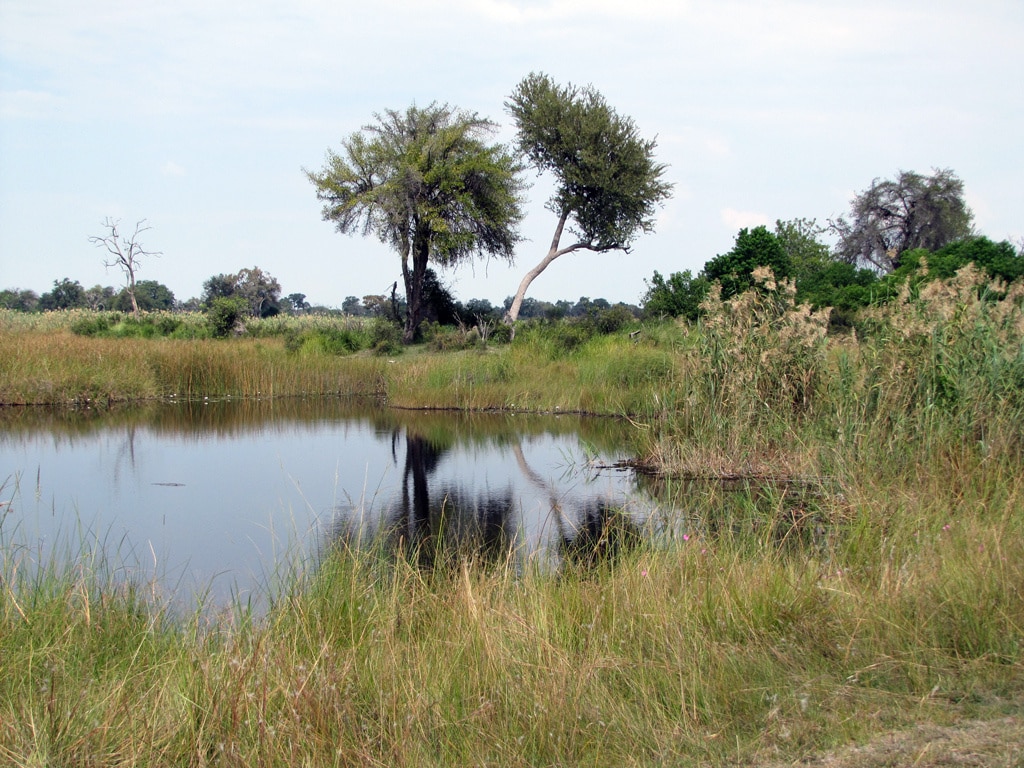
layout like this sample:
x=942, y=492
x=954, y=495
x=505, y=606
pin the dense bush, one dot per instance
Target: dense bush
x=225, y=315
x=95, y=324
x=330, y=341
x=385, y=337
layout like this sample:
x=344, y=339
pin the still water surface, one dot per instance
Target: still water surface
x=215, y=497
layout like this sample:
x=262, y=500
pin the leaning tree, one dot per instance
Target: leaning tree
x=608, y=184
x=894, y=216
x=427, y=183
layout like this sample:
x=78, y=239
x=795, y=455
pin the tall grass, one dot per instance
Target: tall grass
x=724, y=648
x=871, y=577
x=61, y=368
x=761, y=387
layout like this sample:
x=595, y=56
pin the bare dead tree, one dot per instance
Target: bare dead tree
x=126, y=253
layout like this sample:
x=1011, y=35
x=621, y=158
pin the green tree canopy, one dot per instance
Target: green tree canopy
x=66, y=294
x=101, y=297
x=150, y=295
x=217, y=287
x=296, y=302
x=680, y=295
x=1000, y=260
x=754, y=248
x=607, y=183
x=19, y=299
x=919, y=265
x=895, y=216
x=260, y=290
x=426, y=183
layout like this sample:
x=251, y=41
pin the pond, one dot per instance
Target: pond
x=217, y=498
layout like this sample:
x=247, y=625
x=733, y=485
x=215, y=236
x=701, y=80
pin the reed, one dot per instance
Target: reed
x=870, y=577
x=62, y=368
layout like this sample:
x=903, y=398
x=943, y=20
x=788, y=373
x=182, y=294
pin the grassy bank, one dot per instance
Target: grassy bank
x=725, y=649
x=45, y=362
x=871, y=578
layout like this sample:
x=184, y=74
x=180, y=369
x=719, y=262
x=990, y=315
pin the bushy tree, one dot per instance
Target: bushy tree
x=353, y=306
x=892, y=217
x=101, y=297
x=150, y=296
x=438, y=303
x=481, y=309
x=18, y=299
x=66, y=294
x=218, y=287
x=224, y=315
x=295, y=303
x=426, y=183
x=754, y=248
x=919, y=265
x=840, y=285
x=680, y=295
x=997, y=260
x=607, y=183
x=801, y=240
x=259, y=289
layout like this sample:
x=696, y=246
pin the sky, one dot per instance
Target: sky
x=199, y=116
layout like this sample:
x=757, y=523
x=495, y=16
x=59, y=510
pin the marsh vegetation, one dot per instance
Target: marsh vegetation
x=786, y=621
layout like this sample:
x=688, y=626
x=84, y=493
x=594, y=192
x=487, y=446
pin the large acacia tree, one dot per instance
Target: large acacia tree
x=608, y=184
x=898, y=215
x=427, y=183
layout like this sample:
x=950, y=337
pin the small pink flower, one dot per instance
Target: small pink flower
x=686, y=537
x=945, y=527
x=643, y=572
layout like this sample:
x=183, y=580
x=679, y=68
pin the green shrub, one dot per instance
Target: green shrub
x=98, y=324
x=500, y=334
x=326, y=341
x=224, y=315
x=446, y=338
x=613, y=319
x=385, y=337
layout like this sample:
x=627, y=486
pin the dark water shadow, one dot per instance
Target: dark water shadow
x=439, y=523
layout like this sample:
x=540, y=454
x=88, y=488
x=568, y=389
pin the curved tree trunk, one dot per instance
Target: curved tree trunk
x=553, y=253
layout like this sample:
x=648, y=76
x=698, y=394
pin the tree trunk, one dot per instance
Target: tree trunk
x=131, y=292
x=414, y=287
x=553, y=253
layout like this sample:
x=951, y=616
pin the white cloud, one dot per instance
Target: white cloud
x=26, y=104
x=717, y=146
x=171, y=168
x=739, y=219
x=520, y=12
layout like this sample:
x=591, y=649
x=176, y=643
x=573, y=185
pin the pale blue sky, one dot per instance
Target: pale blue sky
x=199, y=115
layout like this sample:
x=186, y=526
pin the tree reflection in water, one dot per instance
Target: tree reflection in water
x=439, y=522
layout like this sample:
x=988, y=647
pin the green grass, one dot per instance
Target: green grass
x=723, y=647
x=868, y=576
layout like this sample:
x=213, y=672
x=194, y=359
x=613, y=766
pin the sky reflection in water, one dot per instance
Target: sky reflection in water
x=217, y=495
